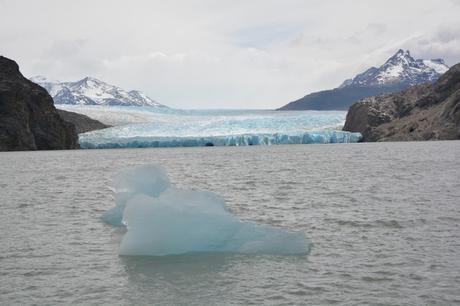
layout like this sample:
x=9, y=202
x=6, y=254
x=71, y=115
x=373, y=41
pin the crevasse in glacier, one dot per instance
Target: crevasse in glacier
x=223, y=128
x=163, y=220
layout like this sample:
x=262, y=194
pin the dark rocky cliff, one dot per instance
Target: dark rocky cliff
x=28, y=118
x=422, y=112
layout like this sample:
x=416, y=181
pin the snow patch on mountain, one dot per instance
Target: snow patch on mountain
x=91, y=91
x=437, y=64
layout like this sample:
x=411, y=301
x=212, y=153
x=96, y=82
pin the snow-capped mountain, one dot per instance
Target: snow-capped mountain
x=398, y=73
x=91, y=91
x=400, y=68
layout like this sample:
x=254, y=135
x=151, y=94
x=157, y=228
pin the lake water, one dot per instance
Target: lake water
x=384, y=220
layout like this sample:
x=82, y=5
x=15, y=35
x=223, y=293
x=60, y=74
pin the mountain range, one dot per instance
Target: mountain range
x=91, y=91
x=399, y=72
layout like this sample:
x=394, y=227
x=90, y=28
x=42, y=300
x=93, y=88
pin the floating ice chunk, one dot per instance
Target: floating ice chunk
x=148, y=179
x=163, y=220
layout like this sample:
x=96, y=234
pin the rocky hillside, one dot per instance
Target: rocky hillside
x=28, y=118
x=399, y=72
x=82, y=123
x=422, y=112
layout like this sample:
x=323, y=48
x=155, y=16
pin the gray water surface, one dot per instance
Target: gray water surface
x=383, y=219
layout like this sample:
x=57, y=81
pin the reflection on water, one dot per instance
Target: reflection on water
x=174, y=269
x=201, y=278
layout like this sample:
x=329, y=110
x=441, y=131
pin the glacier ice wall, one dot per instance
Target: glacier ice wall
x=164, y=220
x=222, y=128
x=97, y=141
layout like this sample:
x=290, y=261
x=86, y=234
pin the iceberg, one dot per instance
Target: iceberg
x=222, y=128
x=163, y=220
x=150, y=180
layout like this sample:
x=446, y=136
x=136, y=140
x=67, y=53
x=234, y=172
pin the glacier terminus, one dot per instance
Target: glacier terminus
x=135, y=127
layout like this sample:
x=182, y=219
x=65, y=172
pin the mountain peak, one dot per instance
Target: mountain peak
x=92, y=91
x=402, y=53
x=402, y=56
x=90, y=81
x=401, y=68
x=88, y=78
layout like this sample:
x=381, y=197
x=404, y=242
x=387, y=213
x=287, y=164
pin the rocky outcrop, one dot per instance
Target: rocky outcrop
x=28, y=118
x=82, y=123
x=422, y=112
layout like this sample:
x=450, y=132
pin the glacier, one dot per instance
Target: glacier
x=163, y=220
x=330, y=136
x=174, y=128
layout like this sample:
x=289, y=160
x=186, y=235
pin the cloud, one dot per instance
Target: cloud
x=65, y=48
x=240, y=54
x=442, y=43
x=264, y=36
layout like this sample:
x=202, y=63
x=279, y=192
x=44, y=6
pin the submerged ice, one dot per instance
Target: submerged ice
x=163, y=220
x=222, y=128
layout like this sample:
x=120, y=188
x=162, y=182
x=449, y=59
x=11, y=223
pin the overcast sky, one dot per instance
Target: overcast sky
x=222, y=54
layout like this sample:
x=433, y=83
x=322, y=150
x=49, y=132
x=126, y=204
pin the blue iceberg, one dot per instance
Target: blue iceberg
x=163, y=220
x=224, y=128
